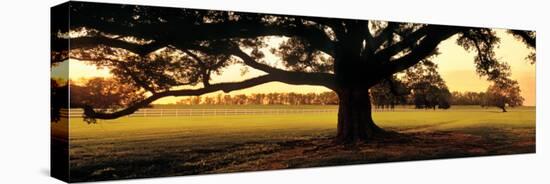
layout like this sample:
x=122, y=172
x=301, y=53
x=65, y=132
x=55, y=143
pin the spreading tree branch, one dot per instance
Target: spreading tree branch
x=425, y=48
x=89, y=112
x=407, y=42
x=93, y=41
x=274, y=74
x=124, y=67
x=526, y=36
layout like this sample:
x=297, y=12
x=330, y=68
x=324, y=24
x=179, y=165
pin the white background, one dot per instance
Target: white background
x=24, y=91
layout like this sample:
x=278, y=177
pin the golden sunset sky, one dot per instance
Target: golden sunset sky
x=456, y=66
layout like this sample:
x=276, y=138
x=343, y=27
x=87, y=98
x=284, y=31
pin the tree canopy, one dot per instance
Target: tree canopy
x=503, y=96
x=175, y=51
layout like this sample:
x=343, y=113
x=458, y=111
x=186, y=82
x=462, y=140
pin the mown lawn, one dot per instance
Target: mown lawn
x=166, y=146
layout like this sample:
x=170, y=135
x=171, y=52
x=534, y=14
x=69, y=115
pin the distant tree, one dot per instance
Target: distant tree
x=219, y=99
x=329, y=98
x=209, y=100
x=196, y=100
x=240, y=99
x=256, y=98
x=273, y=98
x=444, y=99
x=184, y=101
x=380, y=95
x=428, y=89
x=313, y=99
x=484, y=100
x=389, y=93
x=227, y=100
x=103, y=93
x=503, y=95
x=468, y=98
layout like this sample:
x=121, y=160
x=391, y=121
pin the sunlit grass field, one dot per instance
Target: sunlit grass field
x=165, y=146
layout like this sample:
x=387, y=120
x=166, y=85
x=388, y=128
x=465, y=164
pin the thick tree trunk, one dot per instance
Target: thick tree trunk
x=354, y=117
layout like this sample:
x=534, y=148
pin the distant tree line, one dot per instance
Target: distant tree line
x=419, y=88
x=102, y=93
x=423, y=87
x=324, y=98
x=469, y=98
x=494, y=96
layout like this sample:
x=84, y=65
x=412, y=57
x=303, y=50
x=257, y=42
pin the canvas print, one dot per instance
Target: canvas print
x=143, y=91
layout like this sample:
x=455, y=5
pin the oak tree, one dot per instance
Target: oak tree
x=428, y=89
x=504, y=95
x=176, y=52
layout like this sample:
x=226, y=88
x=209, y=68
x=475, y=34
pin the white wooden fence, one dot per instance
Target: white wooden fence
x=149, y=112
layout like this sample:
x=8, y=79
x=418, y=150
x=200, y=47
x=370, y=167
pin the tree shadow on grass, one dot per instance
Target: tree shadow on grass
x=313, y=152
